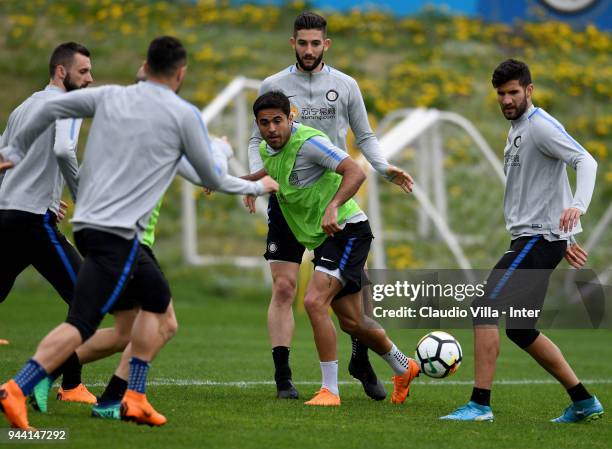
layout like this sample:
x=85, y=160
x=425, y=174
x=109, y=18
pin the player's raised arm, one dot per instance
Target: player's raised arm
x=368, y=143
x=198, y=150
x=230, y=184
x=64, y=147
x=79, y=103
x=352, y=178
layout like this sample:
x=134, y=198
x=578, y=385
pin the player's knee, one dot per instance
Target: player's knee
x=523, y=338
x=170, y=327
x=313, y=303
x=283, y=290
x=349, y=324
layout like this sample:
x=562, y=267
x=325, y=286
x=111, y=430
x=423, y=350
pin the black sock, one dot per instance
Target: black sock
x=481, y=396
x=71, y=372
x=578, y=393
x=114, y=390
x=360, y=351
x=282, y=373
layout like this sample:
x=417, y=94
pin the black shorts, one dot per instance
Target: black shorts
x=347, y=251
x=33, y=239
x=110, y=265
x=520, y=280
x=281, y=244
x=147, y=287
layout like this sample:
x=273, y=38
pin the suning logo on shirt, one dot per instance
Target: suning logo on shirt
x=323, y=113
x=294, y=180
x=512, y=160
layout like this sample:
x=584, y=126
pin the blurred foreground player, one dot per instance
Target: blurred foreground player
x=30, y=198
x=146, y=126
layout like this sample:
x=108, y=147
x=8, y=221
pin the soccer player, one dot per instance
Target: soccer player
x=328, y=100
x=138, y=135
x=106, y=342
x=317, y=181
x=30, y=197
x=542, y=218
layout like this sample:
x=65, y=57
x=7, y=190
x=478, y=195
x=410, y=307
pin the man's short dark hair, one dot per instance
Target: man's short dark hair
x=166, y=54
x=509, y=70
x=309, y=21
x=64, y=54
x=272, y=100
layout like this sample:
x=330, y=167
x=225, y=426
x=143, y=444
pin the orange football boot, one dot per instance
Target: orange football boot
x=401, y=383
x=13, y=404
x=324, y=397
x=135, y=407
x=80, y=393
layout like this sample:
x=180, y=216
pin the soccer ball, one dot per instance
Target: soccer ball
x=439, y=354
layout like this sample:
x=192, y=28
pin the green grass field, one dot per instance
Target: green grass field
x=213, y=383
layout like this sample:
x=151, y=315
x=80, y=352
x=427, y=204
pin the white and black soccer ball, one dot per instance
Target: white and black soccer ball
x=439, y=354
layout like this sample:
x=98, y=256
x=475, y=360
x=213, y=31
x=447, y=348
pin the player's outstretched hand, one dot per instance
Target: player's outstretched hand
x=576, y=256
x=401, y=178
x=269, y=184
x=569, y=219
x=330, y=221
x=61, y=213
x=5, y=164
x=249, y=203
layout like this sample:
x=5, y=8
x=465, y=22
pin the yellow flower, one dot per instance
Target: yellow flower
x=115, y=11
x=455, y=191
x=101, y=15
x=126, y=29
x=597, y=149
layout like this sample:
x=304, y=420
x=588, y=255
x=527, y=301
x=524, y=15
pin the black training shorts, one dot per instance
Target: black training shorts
x=520, y=280
x=33, y=239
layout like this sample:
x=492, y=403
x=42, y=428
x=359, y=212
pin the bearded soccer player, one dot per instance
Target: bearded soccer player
x=147, y=126
x=30, y=198
x=542, y=217
x=317, y=181
x=328, y=100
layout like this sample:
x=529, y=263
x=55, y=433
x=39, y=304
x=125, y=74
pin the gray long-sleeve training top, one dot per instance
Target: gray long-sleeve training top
x=329, y=101
x=36, y=184
x=136, y=141
x=537, y=187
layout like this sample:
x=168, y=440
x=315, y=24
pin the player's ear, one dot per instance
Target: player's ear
x=146, y=68
x=180, y=73
x=61, y=72
x=529, y=90
x=326, y=44
x=292, y=41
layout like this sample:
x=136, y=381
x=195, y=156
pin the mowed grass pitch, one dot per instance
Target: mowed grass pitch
x=222, y=338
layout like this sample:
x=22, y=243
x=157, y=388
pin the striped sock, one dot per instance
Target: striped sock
x=138, y=375
x=29, y=376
